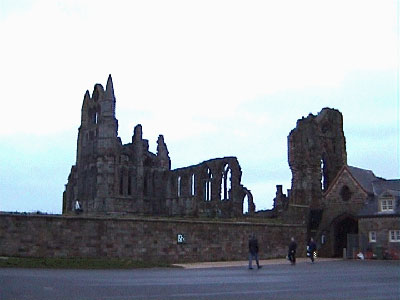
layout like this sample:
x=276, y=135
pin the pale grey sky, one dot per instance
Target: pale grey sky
x=216, y=78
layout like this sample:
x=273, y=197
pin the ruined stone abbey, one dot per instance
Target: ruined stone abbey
x=111, y=178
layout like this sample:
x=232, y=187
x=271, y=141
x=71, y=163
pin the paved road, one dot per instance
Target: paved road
x=323, y=280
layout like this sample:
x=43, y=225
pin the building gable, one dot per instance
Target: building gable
x=345, y=189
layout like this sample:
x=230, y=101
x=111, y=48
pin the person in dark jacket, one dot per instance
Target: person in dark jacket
x=311, y=248
x=292, y=251
x=253, y=251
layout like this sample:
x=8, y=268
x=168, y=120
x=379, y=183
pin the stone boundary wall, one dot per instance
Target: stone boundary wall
x=142, y=238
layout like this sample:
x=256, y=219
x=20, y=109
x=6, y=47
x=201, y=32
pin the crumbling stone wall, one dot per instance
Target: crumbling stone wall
x=281, y=201
x=112, y=178
x=316, y=153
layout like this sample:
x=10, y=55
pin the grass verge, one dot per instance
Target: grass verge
x=78, y=263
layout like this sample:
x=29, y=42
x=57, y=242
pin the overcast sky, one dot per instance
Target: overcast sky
x=216, y=78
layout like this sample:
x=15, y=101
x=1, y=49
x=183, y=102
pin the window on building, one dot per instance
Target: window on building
x=246, y=205
x=121, y=183
x=394, y=236
x=129, y=185
x=145, y=186
x=179, y=185
x=372, y=236
x=324, y=182
x=207, y=186
x=192, y=184
x=387, y=204
x=226, y=184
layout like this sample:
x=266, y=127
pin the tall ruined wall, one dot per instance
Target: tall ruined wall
x=209, y=189
x=141, y=239
x=316, y=153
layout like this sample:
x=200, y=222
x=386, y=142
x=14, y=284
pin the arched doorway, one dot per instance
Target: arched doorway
x=343, y=226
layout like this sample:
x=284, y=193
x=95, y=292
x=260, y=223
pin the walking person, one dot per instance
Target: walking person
x=311, y=248
x=292, y=251
x=253, y=251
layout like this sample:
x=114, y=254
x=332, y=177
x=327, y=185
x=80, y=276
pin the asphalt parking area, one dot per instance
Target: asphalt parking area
x=336, y=279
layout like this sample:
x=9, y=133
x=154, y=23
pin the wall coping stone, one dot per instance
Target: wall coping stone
x=152, y=219
x=392, y=216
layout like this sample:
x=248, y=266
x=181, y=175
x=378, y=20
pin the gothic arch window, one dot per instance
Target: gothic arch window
x=192, y=185
x=345, y=193
x=207, y=186
x=95, y=95
x=93, y=115
x=226, y=183
x=145, y=185
x=246, y=205
x=324, y=181
x=129, y=184
x=179, y=185
x=121, y=183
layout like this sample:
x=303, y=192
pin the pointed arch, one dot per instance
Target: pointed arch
x=324, y=180
x=245, y=204
x=226, y=183
x=192, y=185
x=129, y=184
x=121, y=182
x=248, y=205
x=208, y=185
x=179, y=180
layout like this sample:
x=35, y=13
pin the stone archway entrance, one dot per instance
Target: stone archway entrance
x=343, y=227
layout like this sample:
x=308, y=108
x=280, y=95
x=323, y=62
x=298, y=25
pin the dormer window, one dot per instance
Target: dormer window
x=387, y=205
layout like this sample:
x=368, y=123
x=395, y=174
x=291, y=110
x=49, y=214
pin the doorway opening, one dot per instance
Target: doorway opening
x=347, y=225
